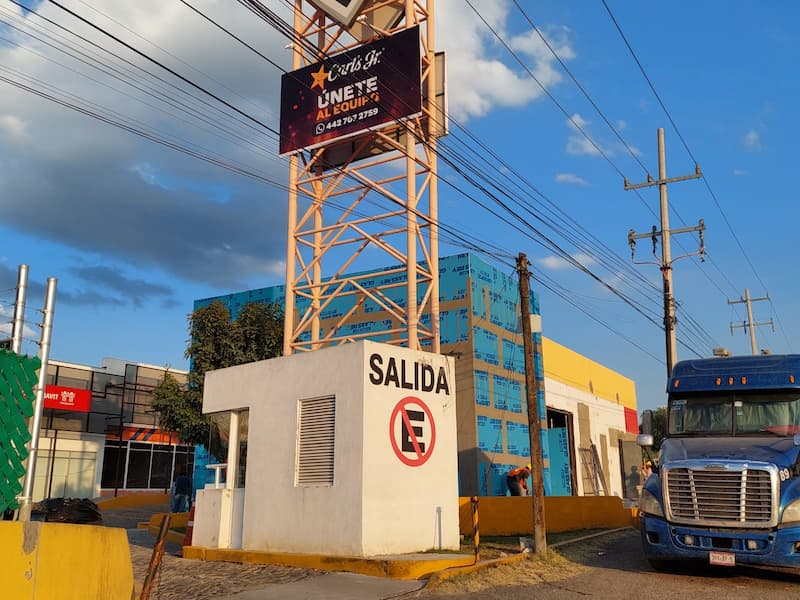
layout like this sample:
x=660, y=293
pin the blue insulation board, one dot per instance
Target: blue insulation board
x=558, y=445
x=490, y=434
x=485, y=345
x=513, y=357
x=515, y=400
x=519, y=441
x=500, y=392
x=482, y=388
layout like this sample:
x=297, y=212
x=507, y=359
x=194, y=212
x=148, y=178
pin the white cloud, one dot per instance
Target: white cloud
x=740, y=172
x=752, y=140
x=6, y=318
x=579, y=144
x=557, y=263
x=12, y=126
x=570, y=178
x=478, y=73
x=89, y=174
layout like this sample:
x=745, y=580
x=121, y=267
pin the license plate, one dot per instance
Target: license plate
x=725, y=559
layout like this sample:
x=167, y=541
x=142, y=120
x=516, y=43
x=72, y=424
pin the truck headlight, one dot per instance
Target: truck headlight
x=649, y=504
x=791, y=514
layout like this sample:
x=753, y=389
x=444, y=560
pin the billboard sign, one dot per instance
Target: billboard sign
x=342, y=11
x=67, y=398
x=352, y=92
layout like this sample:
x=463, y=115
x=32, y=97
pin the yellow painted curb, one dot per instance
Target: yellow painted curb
x=437, y=578
x=399, y=568
x=176, y=520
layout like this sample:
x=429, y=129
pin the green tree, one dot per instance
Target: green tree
x=659, y=426
x=216, y=342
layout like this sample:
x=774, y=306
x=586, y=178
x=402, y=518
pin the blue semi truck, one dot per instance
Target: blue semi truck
x=726, y=487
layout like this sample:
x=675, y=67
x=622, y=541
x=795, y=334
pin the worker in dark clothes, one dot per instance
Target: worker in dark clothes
x=181, y=491
x=517, y=480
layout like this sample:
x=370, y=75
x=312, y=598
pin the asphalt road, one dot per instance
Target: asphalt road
x=615, y=568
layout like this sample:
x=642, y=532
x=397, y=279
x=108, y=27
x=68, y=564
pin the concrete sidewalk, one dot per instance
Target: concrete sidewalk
x=333, y=586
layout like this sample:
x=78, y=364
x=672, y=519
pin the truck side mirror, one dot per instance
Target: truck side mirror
x=647, y=422
x=645, y=440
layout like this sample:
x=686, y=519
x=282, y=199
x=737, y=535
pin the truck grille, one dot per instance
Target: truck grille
x=729, y=495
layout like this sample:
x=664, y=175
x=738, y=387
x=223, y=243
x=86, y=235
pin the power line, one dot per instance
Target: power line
x=164, y=67
x=271, y=18
x=506, y=207
x=580, y=87
x=689, y=152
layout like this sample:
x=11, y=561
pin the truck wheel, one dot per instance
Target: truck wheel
x=665, y=566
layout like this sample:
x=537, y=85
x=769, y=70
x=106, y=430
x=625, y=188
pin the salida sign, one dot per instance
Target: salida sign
x=351, y=92
x=417, y=376
x=412, y=428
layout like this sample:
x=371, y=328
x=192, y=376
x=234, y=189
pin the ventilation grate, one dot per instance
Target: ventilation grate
x=315, y=442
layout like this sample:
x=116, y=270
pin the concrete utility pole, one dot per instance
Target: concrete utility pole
x=666, y=254
x=749, y=325
x=44, y=357
x=534, y=425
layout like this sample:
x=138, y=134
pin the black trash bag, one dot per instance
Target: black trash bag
x=67, y=510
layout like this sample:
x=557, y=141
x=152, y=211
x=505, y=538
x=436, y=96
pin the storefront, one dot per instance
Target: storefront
x=100, y=435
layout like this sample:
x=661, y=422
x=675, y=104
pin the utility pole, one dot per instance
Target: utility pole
x=36, y=422
x=19, y=309
x=534, y=424
x=666, y=254
x=749, y=325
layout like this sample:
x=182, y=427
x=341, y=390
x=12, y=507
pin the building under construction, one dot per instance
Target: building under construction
x=589, y=410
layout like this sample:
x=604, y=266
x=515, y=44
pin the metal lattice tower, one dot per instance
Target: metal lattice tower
x=366, y=201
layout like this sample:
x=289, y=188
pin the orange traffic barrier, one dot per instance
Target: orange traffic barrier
x=187, y=539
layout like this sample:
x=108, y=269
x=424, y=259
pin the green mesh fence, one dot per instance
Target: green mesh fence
x=17, y=383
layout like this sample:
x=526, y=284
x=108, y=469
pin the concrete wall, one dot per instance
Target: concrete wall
x=514, y=515
x=596, y=421
x=43, y=561
x=377, y=504
x=579, y=372
x=278, y=515
x=400, y=500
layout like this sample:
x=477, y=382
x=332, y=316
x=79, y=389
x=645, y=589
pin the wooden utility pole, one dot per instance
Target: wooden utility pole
x=750, y=325
x=534, y=424
x=666, y=255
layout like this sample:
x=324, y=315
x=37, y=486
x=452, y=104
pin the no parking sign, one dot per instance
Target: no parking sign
x=412, y=431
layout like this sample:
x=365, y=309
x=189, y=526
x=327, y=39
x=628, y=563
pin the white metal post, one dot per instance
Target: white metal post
x=44, y=356
x=19, y=310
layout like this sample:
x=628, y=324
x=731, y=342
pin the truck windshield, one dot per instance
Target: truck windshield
x=768, y=413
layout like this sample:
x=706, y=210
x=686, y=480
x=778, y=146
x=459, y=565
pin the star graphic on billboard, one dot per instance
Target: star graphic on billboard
x=319, y=78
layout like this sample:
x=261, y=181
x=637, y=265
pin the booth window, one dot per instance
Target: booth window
x=219, y=433
x=316, y=419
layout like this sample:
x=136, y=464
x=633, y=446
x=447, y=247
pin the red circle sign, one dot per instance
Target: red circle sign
x=412, y=425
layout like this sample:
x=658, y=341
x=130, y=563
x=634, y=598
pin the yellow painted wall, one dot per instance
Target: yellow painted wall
x=513, y=515
x=47, y=561
x=577, y=371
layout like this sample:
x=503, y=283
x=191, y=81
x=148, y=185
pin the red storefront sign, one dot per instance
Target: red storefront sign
x=67, y=398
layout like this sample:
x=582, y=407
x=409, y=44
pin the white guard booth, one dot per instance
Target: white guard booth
x=351, y=452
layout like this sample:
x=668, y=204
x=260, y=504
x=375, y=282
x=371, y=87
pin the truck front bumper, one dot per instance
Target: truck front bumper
x=663, y=541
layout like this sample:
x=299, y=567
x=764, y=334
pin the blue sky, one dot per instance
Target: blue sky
x=135, y=232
